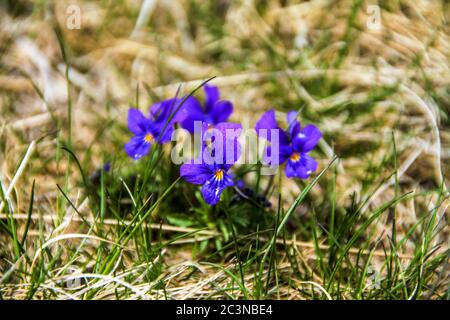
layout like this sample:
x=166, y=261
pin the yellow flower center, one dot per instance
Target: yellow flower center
x=149, y=138
x=218, y=174
x=295, y=156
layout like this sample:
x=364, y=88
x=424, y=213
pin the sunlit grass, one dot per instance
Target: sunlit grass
x=370, y=224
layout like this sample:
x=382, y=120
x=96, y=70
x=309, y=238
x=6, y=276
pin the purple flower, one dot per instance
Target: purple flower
x=107, y=166
x=157, y=128
x=213, y=112
x=293, y=144
x=221, y=142
x=163, y=110
x=213, y=175
x=214, y=178
x=240, y=184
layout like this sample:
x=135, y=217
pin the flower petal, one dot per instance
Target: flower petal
x=164, y=117
x=168, y=110
x=291, y=169
x=224, y=126
x=267, y=121
x=137, y=122
x=155, y=109
x=291, y=116
x=231, y=146
x=195, y=173
x=211, y=193
x=212, y=189
x=221, y=111
x=309, y=163
x=293, y=125
x=284, y=151
x=136, y=148
x=227, y=180
x=193, y=111
x=302, y=168
x=307, y=138
x=212, y=95
x=163, y=132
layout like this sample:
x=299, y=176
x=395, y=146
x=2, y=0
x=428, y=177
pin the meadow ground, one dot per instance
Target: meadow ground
x=370, y=223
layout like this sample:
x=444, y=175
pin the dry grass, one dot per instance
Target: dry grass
x=396, y=78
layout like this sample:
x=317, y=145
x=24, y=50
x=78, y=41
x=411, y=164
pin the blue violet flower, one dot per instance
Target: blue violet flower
x=157, y=128
x=213, y=112
x=294, y=144
x=212, y=173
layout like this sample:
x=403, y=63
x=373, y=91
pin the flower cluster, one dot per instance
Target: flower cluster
x=219, y=150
